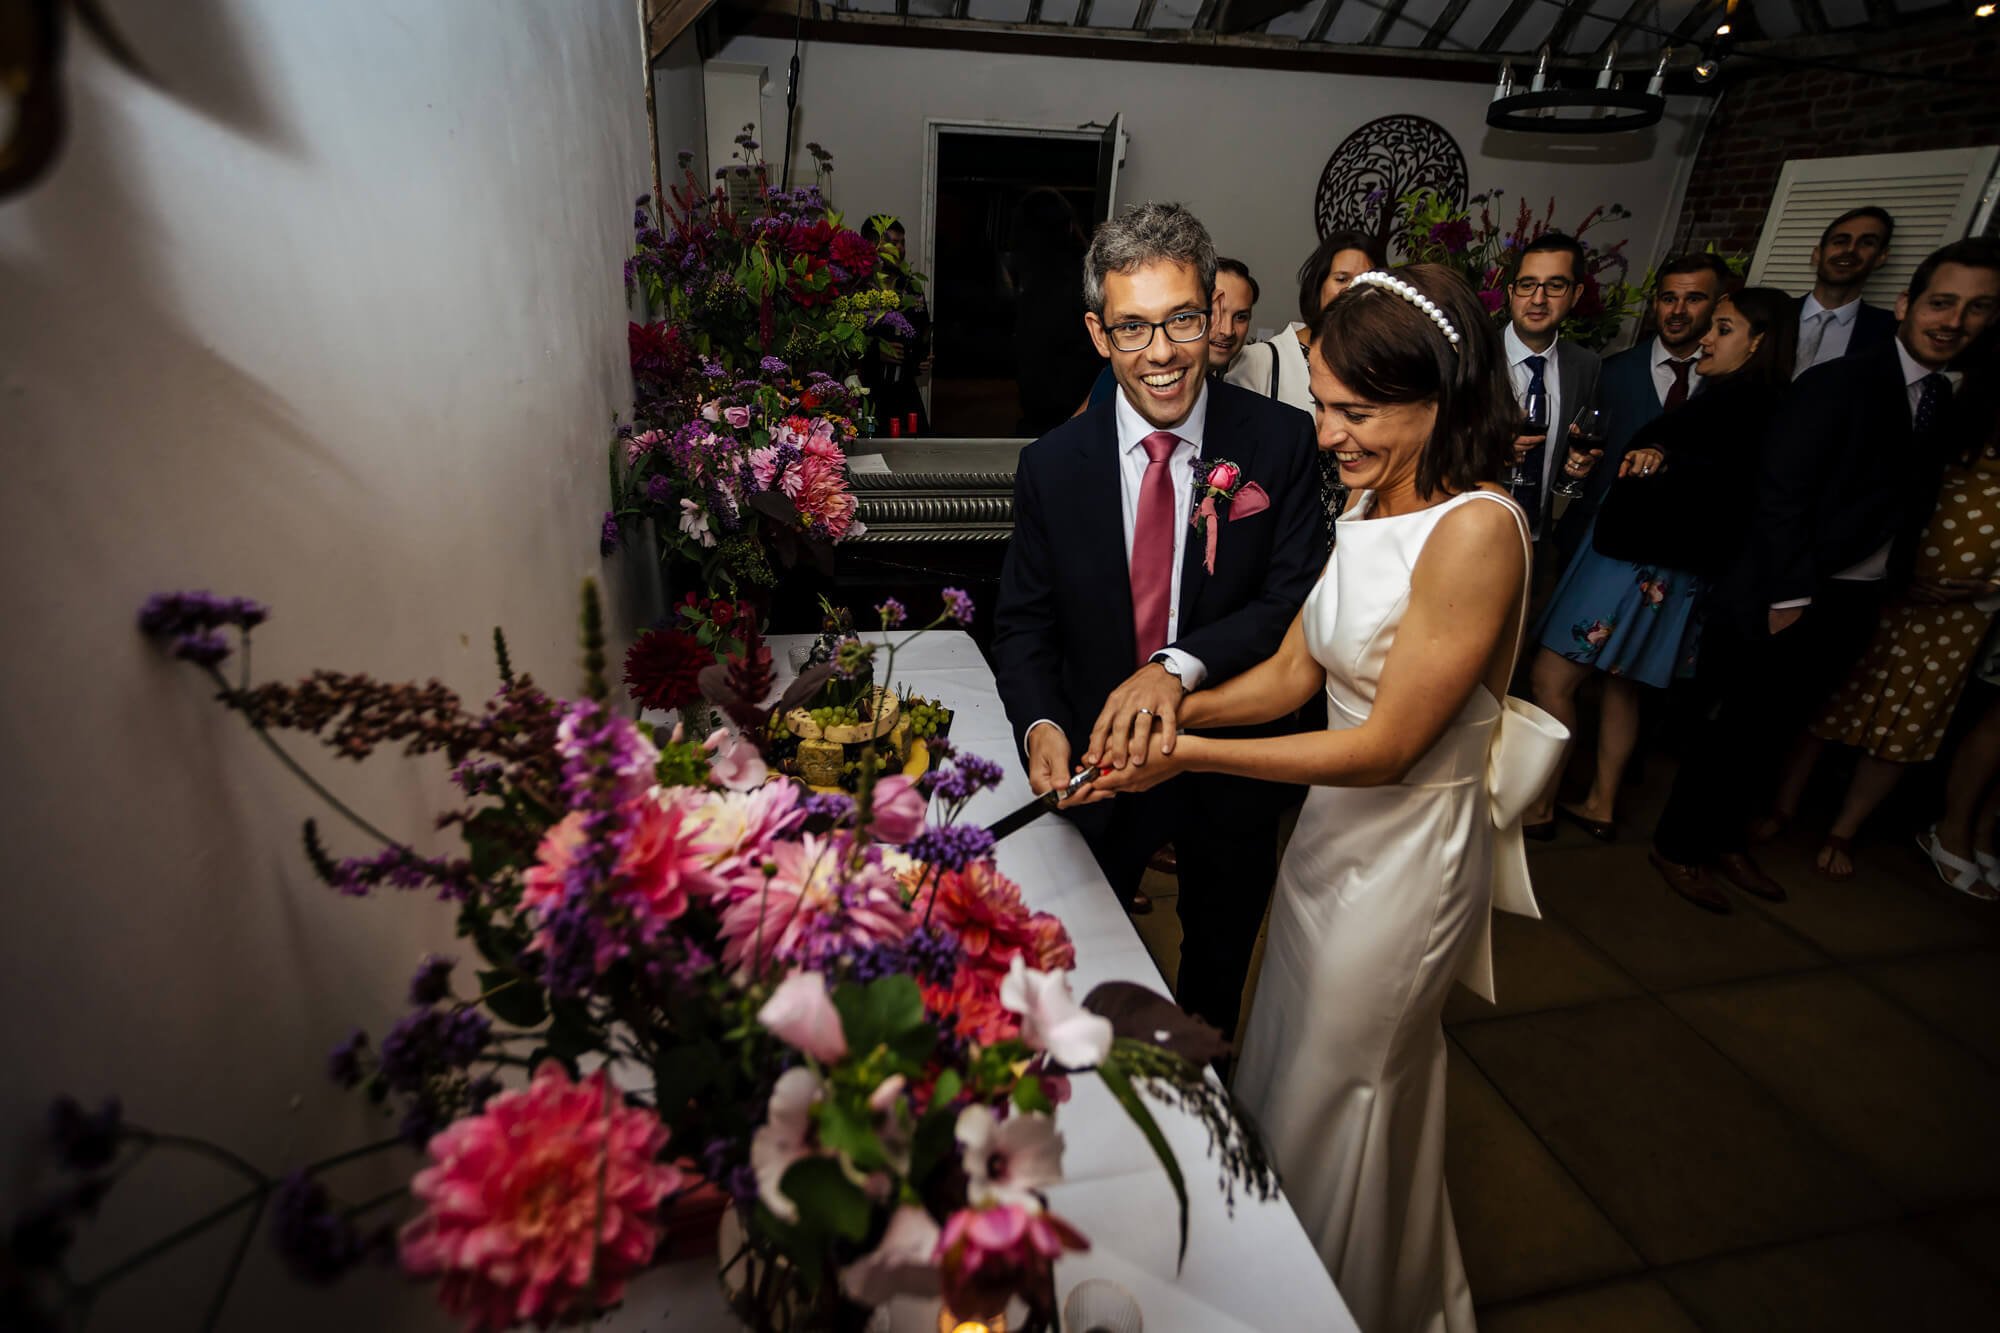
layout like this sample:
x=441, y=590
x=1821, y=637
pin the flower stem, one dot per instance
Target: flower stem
x=228, y=1284
x=340, y=807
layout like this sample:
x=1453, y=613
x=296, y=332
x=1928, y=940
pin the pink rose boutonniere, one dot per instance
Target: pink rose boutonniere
x=1216, y=482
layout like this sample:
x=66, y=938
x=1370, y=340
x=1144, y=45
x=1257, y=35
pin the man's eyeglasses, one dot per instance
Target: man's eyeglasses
x=1553, y=286
x=1136, y=335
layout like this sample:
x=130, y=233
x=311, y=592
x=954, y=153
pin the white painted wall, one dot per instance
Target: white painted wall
x=333, y=317
x=1243, y=148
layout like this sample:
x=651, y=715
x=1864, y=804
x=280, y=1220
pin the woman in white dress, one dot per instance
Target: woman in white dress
x=1385, y=892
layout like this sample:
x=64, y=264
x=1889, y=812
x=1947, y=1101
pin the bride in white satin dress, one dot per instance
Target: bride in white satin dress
x=1385, y=893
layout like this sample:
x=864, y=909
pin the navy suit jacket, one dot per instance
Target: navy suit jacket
x=1062, y=629
x=1625, y=392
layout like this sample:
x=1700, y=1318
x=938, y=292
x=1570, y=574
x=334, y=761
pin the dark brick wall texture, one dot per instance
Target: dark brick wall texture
x=1775, y=114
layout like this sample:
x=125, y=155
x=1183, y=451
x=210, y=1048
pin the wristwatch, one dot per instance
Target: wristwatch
x=1172, y=668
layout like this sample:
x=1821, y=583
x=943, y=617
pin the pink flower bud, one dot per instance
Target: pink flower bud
x=899, y=810
x=801, y=1014
x=1224, y=476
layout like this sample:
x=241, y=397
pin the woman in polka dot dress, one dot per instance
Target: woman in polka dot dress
x=1897, y=703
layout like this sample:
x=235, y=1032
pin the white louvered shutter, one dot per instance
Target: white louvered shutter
x=1933, y=196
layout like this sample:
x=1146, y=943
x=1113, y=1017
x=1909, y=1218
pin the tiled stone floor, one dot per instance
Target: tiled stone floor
x=1787, y=1118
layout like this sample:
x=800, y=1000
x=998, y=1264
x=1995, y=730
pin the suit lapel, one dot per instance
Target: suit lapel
x=1101, y=526
x=1222, y=437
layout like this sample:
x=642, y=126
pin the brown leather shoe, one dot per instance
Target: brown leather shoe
x=1691, y=883
x=1138, y=904
x=1165, y=861
x=1747, y=875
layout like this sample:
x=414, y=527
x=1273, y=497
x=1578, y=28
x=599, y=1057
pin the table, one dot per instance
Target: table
x=1256, y=1271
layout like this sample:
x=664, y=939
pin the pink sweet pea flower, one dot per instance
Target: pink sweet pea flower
x=734, y=761
x=784, y=1138
x=1052, y=1020
x=551, y=1191
x=898, y=810
x=1008, y=1161
x=989, y=1254
x=904, y=1264
x=801, y=1014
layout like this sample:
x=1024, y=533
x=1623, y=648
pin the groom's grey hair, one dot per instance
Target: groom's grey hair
x=1143, y=234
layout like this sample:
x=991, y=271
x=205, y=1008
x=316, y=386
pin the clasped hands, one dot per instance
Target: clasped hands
x=1136, y=741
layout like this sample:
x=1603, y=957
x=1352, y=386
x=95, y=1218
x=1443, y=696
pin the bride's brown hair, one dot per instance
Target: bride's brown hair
x=1386, y=349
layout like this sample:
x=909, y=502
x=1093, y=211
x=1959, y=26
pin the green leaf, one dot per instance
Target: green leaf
x=845, y=1130
x=825, y=1195
x=1128, y=1097
x=683, y=1073
x=1030, y=1096
x=520, y=1003
x=571, y=1033
x=489, y=842
x=936, y=1134
x=883, y=1013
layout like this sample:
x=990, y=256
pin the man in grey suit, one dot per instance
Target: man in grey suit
x=1542, y=289
x=1834, y=321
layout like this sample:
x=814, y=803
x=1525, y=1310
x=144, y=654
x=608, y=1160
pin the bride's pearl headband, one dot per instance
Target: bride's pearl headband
x=1412, y=295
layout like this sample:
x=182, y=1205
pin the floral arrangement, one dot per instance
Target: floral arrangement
x=744, y=404
x=831, y=1016
x=1431, y=229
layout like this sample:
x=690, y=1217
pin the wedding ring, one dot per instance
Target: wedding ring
x=1149, y=712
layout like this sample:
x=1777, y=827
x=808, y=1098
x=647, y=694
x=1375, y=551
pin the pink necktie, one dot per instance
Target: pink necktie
x=1153, y=546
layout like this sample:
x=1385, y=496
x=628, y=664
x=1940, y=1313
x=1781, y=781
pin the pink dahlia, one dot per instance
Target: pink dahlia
x=665, y=859
x=818, y=486
x=814, y=905
x=524, y=1200
x=985, y=910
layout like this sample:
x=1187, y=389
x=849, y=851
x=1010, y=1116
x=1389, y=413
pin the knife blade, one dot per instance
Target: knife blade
x=1042, y=804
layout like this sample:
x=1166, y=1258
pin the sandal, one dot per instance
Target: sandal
x=1835, y=846
x=1955, y=870
x=1989, y=867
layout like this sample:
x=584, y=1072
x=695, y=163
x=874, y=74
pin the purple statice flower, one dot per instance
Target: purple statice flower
x=343, y=1062
x=608, y=538
x=771, y=365
x=425, y=1042
x=318, y=1242
x=603, y=754
x=893, y=613
x=834, y=805
x=951, y=846
x=478, y=777
x=958, y=605
x=85, y=1140
x=203, y=648
x=966, y=776
x=659, y=490
x=930, y=954
x=175, y=614
x=432, y=981
x=399, y=868
x=894, y=322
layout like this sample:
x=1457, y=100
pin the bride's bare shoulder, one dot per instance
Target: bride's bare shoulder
x=1476, y=542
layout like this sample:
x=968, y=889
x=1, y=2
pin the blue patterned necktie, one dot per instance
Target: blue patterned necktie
x=1934, y=392
x=1529, y=493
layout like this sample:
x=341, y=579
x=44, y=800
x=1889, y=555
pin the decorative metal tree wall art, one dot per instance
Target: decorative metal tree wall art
x=1381, y=161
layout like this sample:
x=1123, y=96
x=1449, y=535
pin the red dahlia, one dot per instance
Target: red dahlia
x=663, y=666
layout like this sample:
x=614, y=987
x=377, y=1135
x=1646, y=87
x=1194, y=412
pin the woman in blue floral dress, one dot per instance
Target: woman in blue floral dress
x=1639, y=622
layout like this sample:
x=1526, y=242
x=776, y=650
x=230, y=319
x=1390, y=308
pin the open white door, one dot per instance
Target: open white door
x=1110, y=157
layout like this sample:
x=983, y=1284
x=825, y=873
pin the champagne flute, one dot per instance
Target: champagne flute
x=1586, y=434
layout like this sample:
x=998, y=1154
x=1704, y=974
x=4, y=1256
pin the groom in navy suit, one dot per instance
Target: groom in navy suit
x=1114, y=604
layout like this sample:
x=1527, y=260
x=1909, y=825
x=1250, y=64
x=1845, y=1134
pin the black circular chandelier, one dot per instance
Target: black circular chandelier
x=1544, y=107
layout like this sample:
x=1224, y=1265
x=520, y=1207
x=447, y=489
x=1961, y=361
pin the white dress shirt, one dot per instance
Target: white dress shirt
x=1839, y=330
x=1132, y=464
x=1518, y=353
x=1876, y=567
x=1663, y=371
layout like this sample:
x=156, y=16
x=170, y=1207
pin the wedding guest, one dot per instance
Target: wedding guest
x=1110, y=602
x=1236, y=295
x=1833, y=319
x=1628, y=605
x=1654, y=375
x=1276, y=366
x=1542, y=287
x=1850, y=474
x=1389, y=881
x=1897, y=702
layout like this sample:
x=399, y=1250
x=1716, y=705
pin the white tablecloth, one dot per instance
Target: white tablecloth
x=1254, y=1271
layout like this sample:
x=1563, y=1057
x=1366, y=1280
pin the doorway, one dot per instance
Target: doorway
x=1009, y=210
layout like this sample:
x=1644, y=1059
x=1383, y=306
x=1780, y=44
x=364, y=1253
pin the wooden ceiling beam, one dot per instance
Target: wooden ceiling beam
x=1442, y=28
x=1144, y=18
x=1634, y=13
x=1573, y=13
x=1324, y=20
x=1812, y=17
x=1385, y=19
x=1496, y=37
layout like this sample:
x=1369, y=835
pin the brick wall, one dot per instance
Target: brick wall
x=1771, y=114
